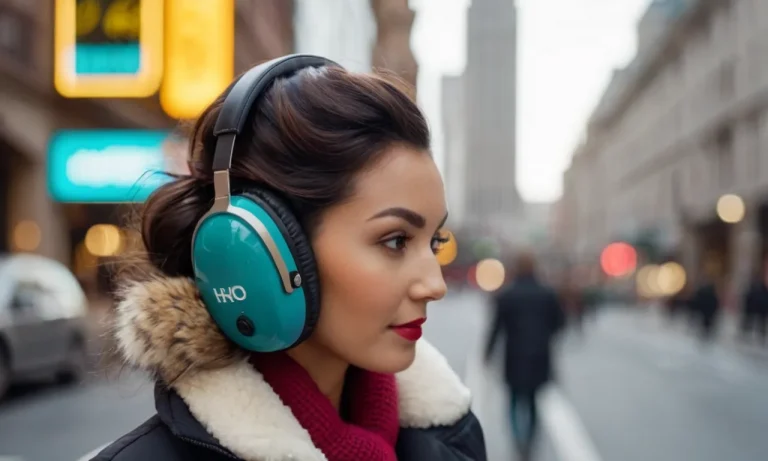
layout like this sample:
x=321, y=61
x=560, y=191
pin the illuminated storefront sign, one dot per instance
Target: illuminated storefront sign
x=108, y=48
x=198, y=65
x=109, y=166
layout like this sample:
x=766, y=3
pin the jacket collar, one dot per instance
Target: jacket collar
x=175, y=414
x=162, y=327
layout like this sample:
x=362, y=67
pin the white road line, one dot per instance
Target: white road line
x=475, y=380
x=11, y=458
x=92, y=454
x=564, y=428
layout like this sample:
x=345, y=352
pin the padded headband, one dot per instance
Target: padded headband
x=244, y=93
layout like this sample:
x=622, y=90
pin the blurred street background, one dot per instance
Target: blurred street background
x=621, y=143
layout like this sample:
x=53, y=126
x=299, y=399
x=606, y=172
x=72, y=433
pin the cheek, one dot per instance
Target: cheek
x=359, y=298
x=356, y=290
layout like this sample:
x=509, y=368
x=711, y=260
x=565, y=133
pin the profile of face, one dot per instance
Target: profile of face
x=376, y=260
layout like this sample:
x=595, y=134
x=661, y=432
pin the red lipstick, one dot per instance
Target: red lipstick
x=411, y=330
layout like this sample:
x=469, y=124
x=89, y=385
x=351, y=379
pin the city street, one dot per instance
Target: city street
x=630, y=389
x=633, y=388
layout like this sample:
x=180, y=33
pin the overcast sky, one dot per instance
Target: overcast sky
x=567, y=50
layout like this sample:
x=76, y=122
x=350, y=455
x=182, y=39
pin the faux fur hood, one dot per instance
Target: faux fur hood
x=163, y=327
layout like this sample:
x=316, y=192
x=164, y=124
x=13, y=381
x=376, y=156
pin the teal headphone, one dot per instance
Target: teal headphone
x=253, y=263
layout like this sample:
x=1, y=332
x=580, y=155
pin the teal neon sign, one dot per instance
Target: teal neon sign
x=107, y=166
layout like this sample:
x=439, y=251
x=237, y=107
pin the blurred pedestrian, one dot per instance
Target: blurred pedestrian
x=573, y=300
x=679, y=303
x=754, y=314
x=704, y=307
x=528, y=314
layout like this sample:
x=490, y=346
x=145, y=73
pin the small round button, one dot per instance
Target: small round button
x=295, y=279
x=245, y=326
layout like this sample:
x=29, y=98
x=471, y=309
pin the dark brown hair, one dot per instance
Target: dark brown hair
x=525, y=264
x=307, y=138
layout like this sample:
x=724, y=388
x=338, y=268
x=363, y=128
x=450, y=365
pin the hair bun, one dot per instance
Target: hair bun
x=169, y=218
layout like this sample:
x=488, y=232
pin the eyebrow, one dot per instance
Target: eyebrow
x=413, y=218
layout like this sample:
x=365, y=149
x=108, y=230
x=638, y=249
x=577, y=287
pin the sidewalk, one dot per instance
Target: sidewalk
x=727, y=332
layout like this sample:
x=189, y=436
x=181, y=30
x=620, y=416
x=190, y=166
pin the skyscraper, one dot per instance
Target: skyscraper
x=455, y=147
x=490, y=101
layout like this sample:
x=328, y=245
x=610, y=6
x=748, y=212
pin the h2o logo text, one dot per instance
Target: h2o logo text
x=230, y=294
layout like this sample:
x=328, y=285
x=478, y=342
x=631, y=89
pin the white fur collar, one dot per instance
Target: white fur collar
x=163, y=327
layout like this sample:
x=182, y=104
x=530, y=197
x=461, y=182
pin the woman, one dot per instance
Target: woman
x=350, y=154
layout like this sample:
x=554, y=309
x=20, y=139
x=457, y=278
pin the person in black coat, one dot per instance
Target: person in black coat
x=754, y=316
x=528, y=314
x=704, y=307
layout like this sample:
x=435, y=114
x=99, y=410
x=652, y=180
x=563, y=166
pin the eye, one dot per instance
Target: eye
x=438, y=241
x=396, y=243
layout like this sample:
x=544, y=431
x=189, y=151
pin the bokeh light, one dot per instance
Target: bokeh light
x=490, y=274
x=618, y=259
x=448, y=251
x=104, y=240
x=731, y=208
x=27, y=235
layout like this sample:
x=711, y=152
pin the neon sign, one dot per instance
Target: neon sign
x=108, y=48
x=108, y=166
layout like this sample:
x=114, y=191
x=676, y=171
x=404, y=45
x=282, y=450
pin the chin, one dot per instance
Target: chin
x=389, y=360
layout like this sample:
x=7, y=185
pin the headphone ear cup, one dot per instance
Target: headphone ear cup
x=243, y=258
x=301, y=248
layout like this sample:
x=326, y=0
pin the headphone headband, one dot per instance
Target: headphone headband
x=242, y=95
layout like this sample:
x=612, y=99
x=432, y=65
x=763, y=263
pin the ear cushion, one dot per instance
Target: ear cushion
x=300, y=247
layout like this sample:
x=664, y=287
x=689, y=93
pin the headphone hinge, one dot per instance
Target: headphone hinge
x=221, y=190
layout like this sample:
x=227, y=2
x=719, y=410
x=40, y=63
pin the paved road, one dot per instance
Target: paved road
x=48, y=423
x=647, y=391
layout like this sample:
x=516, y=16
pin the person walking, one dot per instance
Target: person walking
x=528, y=314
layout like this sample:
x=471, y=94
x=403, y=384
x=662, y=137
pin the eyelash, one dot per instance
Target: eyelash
x=404, y=238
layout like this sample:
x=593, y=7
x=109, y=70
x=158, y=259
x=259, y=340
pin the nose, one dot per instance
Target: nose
x=430, y=284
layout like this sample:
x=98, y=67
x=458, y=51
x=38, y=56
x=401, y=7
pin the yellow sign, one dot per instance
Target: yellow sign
x=108, y=48
x=199, y=55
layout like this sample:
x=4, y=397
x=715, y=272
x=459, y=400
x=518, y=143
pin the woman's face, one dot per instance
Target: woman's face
x=377, y=265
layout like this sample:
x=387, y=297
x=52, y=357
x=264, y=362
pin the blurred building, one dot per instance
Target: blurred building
x=394, y=22
x=358, y=34
x=685, y=123
x=31, y=112
x=490, y=100
x=341, y=30
x=455, y=147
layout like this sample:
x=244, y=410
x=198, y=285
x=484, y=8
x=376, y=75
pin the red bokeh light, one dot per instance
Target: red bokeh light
x=618, y=259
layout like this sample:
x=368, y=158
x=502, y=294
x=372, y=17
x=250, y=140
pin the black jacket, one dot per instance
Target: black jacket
x=173, y=434
x=529, y=314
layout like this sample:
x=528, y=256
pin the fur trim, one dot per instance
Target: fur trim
x=163, y=327
x=430, y=393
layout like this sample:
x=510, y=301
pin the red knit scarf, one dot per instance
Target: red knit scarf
x=371, y=432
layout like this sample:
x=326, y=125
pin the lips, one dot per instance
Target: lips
x=411, y=330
